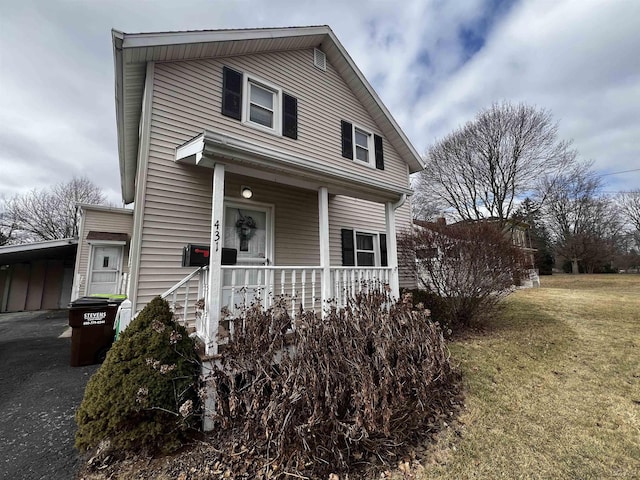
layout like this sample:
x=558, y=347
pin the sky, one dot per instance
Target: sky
x=434, y=63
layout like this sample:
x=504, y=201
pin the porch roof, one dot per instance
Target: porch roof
x=132, y=52
x=252, y=159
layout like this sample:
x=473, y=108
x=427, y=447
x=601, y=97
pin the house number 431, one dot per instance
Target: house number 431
x=216, y=234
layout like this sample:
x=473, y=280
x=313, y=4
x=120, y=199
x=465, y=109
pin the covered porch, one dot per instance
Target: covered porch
x=243, y=263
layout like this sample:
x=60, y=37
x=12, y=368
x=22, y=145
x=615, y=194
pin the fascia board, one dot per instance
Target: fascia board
x=118, y=67
x=136, y=40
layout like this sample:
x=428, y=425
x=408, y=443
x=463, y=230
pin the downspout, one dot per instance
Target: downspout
x=399, y=203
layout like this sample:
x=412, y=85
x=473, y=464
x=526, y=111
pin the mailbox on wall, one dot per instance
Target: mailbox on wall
x=198, y=256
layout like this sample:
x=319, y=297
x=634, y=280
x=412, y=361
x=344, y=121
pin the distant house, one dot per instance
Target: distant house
x=258, y=162
x=516, y=230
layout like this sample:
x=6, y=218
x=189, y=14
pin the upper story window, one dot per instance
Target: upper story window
x=362, y=141
x=363, y=146
x=262, y=105
x=259, y=104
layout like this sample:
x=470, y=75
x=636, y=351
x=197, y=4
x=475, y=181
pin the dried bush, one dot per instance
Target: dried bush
x=470, y=266
x=364, y=381
x=144, y=395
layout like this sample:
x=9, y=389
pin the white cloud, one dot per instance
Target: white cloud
x=577, y=58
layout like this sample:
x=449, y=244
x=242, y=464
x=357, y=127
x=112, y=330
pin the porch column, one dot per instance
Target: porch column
x=215, y=260
x=392, y=248
x=323, y=230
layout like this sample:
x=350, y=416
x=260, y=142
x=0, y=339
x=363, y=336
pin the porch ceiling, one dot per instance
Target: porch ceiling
x=245, y=158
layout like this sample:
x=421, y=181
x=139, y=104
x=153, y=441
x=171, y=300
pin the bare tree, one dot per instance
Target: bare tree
x=6, y=225
x=483, y=168
x=470, y=266
x=50, y=214
x=630, y=207
x=585, y=224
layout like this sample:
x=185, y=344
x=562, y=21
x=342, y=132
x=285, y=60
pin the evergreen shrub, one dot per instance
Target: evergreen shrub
x=144, y=397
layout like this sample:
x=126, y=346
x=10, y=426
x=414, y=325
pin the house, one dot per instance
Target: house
x=102, y=262
x=517, y=231
x=259, y=162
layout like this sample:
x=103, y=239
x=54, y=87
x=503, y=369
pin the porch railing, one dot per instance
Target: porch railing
x=301, y=286
x=183, y=297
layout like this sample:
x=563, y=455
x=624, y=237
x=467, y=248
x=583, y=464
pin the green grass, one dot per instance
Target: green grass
x=552, y=386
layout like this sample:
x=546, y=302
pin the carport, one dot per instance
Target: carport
x=37, y=276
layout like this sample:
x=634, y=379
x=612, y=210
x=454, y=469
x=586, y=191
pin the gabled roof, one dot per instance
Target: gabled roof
x=133, y=51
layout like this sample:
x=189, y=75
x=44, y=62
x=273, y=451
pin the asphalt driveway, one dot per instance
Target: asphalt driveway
x=39, y=394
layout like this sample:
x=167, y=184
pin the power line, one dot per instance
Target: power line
x=617, y=173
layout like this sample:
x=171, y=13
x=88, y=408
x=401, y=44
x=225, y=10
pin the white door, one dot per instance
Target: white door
x=247, y=229
x=104, y=274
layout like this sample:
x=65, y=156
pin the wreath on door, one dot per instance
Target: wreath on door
x=245, y=228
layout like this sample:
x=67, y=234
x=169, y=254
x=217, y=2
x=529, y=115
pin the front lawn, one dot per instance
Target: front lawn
x=552, y=390
x=552, y=386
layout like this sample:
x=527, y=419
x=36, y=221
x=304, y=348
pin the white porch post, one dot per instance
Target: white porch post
x=215, y=260
x=323, y=227
x=392, y=248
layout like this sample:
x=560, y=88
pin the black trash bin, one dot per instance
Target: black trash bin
x=92, y=328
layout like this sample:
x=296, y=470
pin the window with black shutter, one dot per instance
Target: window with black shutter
x=363, y=249
x=259, y=103
x=362, y=146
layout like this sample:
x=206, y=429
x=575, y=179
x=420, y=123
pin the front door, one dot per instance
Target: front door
x=247, y=229
x=104, y=270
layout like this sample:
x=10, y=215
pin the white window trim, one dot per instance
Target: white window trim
x=376, y=247
x=371, y=146
x=277, y=104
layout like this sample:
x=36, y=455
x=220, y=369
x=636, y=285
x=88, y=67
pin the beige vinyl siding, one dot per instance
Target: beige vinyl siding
x=99, y=220
x=357, y=214
x=173, y=220
x=187, y=100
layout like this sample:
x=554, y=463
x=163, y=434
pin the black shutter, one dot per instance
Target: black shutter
x=377, y=140
x=290, y=116
x=384, y=261
x=383, y=250
x=347, y=140
x=231, y=93
x=348, y=251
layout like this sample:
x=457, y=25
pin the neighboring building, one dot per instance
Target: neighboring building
x=516, y=230
x=268, y=145
x=37, y=276
x=102, y=263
